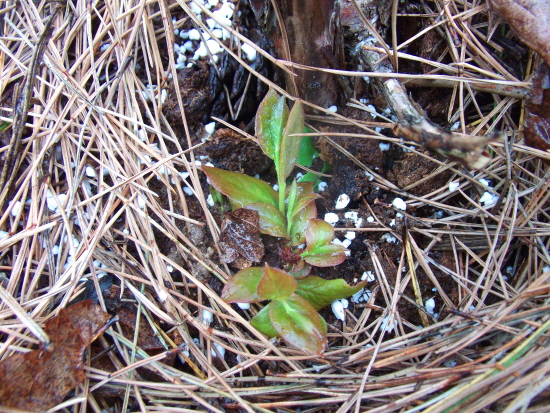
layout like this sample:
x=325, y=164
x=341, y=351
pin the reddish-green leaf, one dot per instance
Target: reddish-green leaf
x=301, y=270
x=325, y=255
x=303, y=200
x=320, y=292
x=271, y=120
x=275, y=284
x=241, y=189
x=290, y=145
x=241, y=288
x=318, y=233
x=262, y=322
x=272, y=222
x=297, y=322
x=298, y=223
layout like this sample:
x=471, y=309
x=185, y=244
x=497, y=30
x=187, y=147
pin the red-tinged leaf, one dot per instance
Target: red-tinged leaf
x=301, y=203
x=320, y=292
x=271, y=119
x=40, y=379
x=305, y=188
x=298, y=223
x=297, y=322
x=241, y=288
x=262, y=322
x=290, y=145
x=301, y=270
x=325, y=255
x=275, y=284
x=318, y=233
x=241, y=189
x=272, y=222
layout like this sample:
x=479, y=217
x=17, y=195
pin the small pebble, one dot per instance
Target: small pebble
x=331, y=218
x=90, y=172
x=207, y=317
x=485, y=182
x=368, y=275
x=220, y=349
x=339, y=310
x=16, y=208
x=488, y=199
x=210, y=127
x=342, y=201
x=210, y=200
x=399, y=204
x=430, y=305
x=453, y=186
x=350, y=235
x=249, y=51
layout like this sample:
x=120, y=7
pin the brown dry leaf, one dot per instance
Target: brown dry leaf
x=40, y=379
x=530, y=19
x=537, y=118
x=240, y=240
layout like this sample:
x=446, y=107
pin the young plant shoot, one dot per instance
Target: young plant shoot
x=290, y=214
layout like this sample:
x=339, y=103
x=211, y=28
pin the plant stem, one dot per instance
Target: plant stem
x=282, y=192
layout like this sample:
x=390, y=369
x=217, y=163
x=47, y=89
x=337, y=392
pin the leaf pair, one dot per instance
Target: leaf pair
x=247, y=192
x=292, y=314
x=274, y=125
x=320, y=251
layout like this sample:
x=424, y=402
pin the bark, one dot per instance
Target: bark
x=308, y=41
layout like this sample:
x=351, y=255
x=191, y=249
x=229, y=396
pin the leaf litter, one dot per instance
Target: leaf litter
x=485, y=265
x=41, y=379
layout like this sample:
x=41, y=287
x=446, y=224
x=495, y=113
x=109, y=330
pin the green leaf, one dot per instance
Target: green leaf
x=311, y=177
x=275, y=284
x=262, y=322
x=318, y=233
x=4, y=126
x=241, y=189
x=298, y=223
x=271, y=119
x=290, y=145
x=320, y=292
x=292, y=198
x=325, y=255
x=272, y=222
x=307, y=150
x=297, y=322
x=242, y=287
x=217, y=197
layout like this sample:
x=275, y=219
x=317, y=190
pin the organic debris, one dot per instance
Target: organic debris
x=530, y=19
x=537, y=118
x=240, y=240
x=40, y=379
